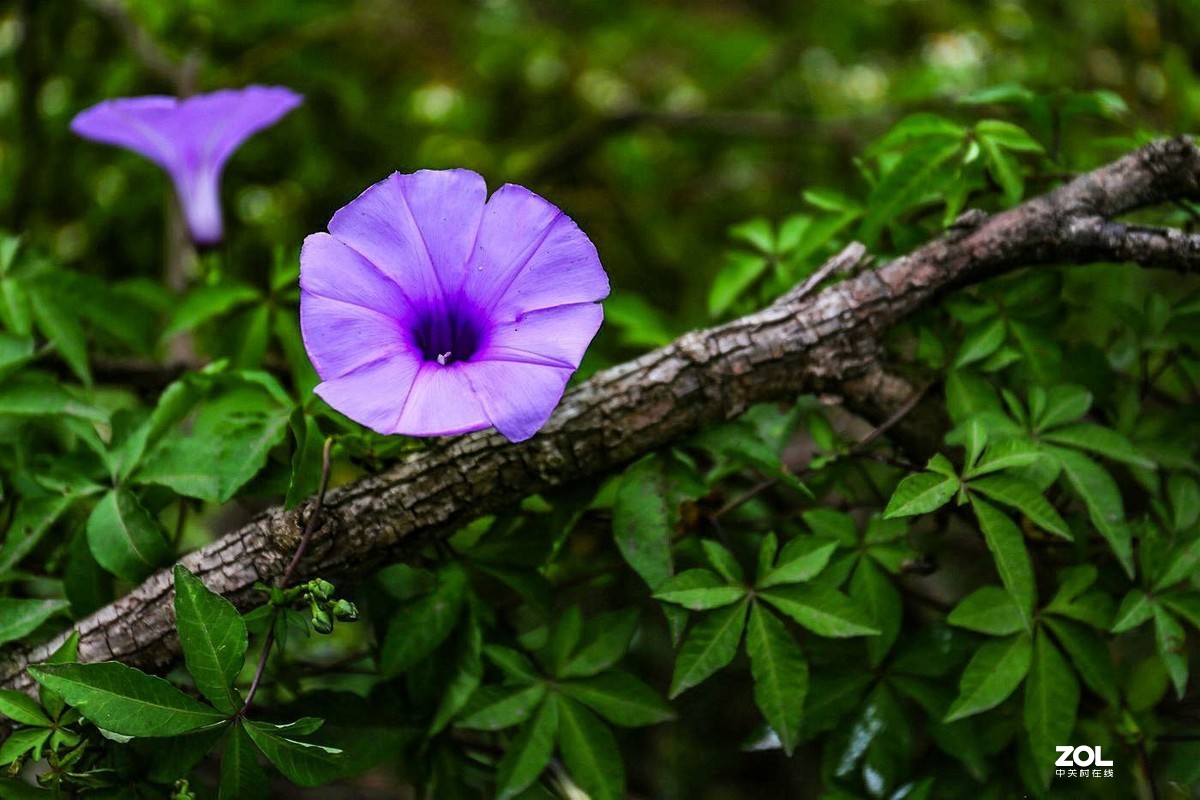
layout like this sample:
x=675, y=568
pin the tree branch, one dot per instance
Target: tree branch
x=825, y=342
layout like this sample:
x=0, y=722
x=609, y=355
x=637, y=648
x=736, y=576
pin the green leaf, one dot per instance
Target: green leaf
x=920, y=494
x=21, y=617
x=980, y=342
x=563, y=637
x=208, y=302
x=23, y=741
x=124, y=538
x=722, y=561
x=32, y=519
x=1007, y=544
x=241, y=776
x=1058, y=406
x=420, y=625
x=989, y=610
x=737, y=274
x=802, y=558
x=1008, y=136
x=620, y=698
x=780, y=674
x=1184, y=493
x=1172, y=648
x=1005, y=169
x=37, y=398
x=698, y=590
x=468, y=674
x=213, y=636
x=125, y=700
x=496, y=707
x=1100, y=494
x=301, y=763
x=642, y=521
x=1005, y=454
x=710, y=644
x=61, y=326
x=1183, y=564
x=874, y=591
x=1136, y=608
x=1100, y=440
x=1051, y=702
x=916, y=127
x=228, y=444
x=994, y=673
x=20, y=707
x=1089, y=653
x=821, y=609
x=916, y=174
x=1024, y=497
x=307, y=459
x=590, y=752
x=529, y=753
x=605, y=640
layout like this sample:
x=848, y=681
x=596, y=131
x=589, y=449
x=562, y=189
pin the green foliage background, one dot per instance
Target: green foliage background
x=765, y=610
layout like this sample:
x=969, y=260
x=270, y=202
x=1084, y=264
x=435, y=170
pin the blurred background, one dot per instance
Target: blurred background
x=656, y=125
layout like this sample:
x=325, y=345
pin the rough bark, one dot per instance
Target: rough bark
x=825, y=342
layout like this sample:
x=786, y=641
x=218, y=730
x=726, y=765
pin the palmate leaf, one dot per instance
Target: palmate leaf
x=920, y=494
x=698, y=590
x=919, y=172
x=1088, y=651
x=802, y=558
x=214, y=639
x=529, y=753
x=420, y=625
x=589, y=751
x=242, y=778
x=620, y=698
x=821, y=609
x=1051, y=701
x=710, y=644
x=1102, y=497
x=1007, y=544
x=302, y=763
x=467, y=677
x=780, y=674
x=493, y=708
x=994, y=673
x=126, y=700
x=605, y=639
x=642, y=521
x=874, y=591
x=1023, y=496
x=20, y=707
x=989, y=610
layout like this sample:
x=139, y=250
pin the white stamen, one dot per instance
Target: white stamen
x=441, y=359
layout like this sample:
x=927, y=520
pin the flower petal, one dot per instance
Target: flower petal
x=214, y=125
x=140, y=124
x=518, y=398
x=191, y=139
x=374, y=394
x=413, y=227
x=331, y=269
x=530, y=256
x=341, y=337
x=552, y=336
x=441, y=403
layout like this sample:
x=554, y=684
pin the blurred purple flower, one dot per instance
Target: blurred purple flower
x=191, y=139
x=428, y=311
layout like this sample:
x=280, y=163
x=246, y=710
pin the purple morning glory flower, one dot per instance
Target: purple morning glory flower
x=429, y=309
x=191, y=139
